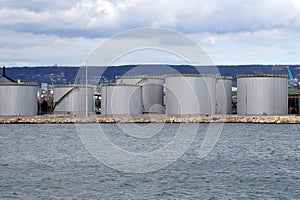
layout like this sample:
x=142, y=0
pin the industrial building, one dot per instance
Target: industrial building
x=190, y=94
x=294, y=101
x=223, y=95
x=152, y=91
x=73, y=99
x=17, y=98
x=262, y=94
x=4, y=78
x=121, y=99
x=176, y=94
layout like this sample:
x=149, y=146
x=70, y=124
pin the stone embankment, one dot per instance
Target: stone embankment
x=65, y=119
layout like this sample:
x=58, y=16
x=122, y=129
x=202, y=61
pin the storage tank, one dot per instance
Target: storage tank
x=152, y=91
x=262, y=95
x=71, y=99
x=192, y=94
x=223, y=95
x=18, y=99
x=121, y=99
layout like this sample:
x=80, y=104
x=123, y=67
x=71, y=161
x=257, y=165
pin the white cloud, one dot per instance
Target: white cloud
x=265, y=46
x=19, y=49
x=192, y=16
x=38, y=5
x=46, y=32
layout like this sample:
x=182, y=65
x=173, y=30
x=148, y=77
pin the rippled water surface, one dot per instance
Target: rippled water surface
x=248, y=162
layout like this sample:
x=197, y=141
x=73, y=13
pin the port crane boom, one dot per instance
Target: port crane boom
x=292, y=81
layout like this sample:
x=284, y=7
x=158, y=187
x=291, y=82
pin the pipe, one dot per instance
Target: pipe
x=3, y=71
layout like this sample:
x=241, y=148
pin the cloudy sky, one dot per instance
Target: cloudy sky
x=43, y=32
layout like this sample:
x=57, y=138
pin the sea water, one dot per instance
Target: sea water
x=248, y=161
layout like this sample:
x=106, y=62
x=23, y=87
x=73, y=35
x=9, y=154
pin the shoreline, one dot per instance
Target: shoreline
x=68, y=119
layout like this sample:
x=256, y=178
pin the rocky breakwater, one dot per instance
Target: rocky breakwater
x=290, y=119
x=65, y=119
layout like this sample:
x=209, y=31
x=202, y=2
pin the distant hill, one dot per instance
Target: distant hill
x=69, y=75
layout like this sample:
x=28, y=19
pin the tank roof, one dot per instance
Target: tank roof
x=120, y=84
x=139, y=77
x=72, y=85
x=262, y=75
x=225, y=77
x=18, y=84
x=5, y=79
x=191, y=75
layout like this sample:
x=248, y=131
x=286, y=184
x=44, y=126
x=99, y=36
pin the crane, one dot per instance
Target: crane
x=292, y=81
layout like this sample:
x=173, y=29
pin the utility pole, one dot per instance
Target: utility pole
x=86, y=84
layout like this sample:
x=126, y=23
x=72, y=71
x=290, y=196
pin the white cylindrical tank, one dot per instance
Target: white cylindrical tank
x=190, y=94
x=71, y=99
x=152, y=91
x=262, y=95
x=121, y=99
x=224, y=95
x=18, y=99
